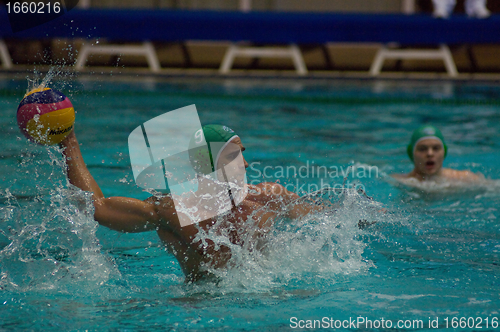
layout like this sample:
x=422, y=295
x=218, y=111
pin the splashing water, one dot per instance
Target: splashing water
x=423, y=258
x=46, y=80
x=33, y=83
x=48, y=236
x=322, y=244
x=49, y=241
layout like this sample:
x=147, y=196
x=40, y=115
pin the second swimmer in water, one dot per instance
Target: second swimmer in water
x=427, y=151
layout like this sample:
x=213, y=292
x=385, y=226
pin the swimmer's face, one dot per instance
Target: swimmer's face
x=232, y=162
x=428, y=156
x=231, y=152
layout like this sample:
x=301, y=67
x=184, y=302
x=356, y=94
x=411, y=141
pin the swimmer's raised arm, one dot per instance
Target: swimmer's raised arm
x=78, y=173
x=118, y=213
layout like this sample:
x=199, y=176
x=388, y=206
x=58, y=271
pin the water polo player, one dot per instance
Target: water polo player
x=253, y=214
x=427, y=150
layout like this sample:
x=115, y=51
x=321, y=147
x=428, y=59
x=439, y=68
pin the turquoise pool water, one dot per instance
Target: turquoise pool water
x=431, y=259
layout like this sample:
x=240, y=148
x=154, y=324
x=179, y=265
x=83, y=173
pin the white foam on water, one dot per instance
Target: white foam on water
x=320, y=246
x=48, y=238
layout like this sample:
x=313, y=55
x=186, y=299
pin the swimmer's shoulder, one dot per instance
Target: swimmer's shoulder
x=268, y=189
x=466, y=176
x=270, y=193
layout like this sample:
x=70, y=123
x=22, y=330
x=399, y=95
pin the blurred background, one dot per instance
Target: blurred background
x=328, y=58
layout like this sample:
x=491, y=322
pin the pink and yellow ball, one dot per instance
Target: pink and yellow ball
x=45, y=116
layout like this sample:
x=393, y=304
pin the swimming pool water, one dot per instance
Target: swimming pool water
x=431, y=256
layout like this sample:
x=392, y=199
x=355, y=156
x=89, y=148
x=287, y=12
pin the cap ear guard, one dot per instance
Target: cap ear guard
x=409, y=150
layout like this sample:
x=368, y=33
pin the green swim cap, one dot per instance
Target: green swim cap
x=425, y=132
x=201, y=152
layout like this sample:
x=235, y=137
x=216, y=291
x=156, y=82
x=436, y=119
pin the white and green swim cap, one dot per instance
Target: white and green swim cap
x=425, y=132
x=202, y=152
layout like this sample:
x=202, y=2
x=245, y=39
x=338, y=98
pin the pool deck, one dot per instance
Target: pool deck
x=203, y=59
x=20, y=71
